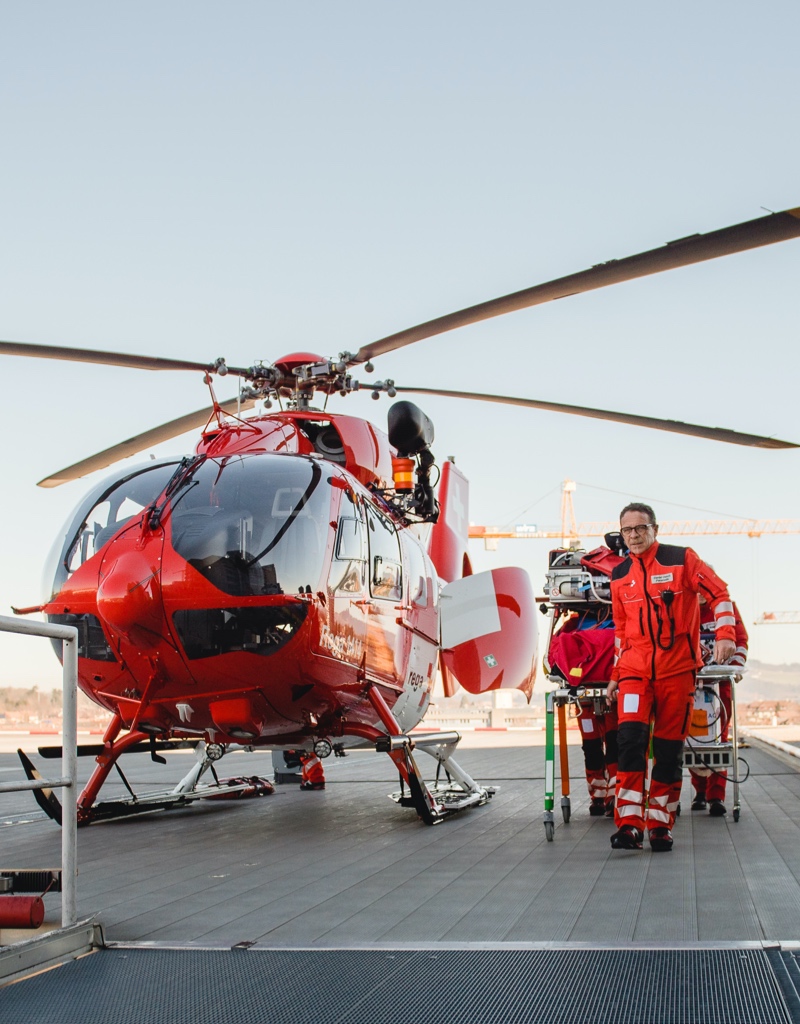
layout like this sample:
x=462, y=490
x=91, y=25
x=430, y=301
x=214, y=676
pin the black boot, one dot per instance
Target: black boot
x=627, y=838
x=660, y=840
x=717, y=809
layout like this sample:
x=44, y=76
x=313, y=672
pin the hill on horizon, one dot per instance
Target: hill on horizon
x=763, y=681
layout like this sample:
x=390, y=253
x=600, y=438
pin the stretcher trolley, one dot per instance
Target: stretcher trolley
x=713, y=743
x=577, y=600
x=557, y=700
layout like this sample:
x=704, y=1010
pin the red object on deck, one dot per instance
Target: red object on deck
x=21, y=911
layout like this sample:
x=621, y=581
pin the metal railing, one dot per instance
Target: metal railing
x=69, y=757
x=786, y=748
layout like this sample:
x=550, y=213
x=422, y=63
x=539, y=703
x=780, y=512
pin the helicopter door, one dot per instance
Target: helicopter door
x=385, y=638
x=344, y=636
x=419, y=620
x=421, y=606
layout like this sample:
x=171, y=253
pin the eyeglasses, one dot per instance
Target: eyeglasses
x=628, y=531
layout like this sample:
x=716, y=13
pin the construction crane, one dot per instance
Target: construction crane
x=570, y=533
x=778, y=619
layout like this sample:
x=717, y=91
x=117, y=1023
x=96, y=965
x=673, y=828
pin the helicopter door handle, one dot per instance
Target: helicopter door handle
x=365, y=602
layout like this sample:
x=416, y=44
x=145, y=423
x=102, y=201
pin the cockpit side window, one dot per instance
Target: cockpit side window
x=349, y=567
x=386, y=567
x=417, y=581
x=351, y=541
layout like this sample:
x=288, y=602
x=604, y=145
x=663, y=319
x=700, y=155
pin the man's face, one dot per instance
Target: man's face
x=637, y=532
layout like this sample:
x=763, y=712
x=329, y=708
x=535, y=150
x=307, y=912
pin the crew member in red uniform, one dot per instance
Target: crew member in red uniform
x=657, y=621
x=709, y=788
x=313, y=775
x=599, y=742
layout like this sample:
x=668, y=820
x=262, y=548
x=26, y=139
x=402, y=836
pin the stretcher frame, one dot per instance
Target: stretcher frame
x=719, y=755
x=556, y=702
x=557, y=699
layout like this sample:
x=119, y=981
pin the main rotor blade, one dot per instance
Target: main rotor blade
x=192, y=421
x=87, y=355
x=776, y=227
x=676, y=426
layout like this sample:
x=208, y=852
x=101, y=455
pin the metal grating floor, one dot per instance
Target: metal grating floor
x=400, y=986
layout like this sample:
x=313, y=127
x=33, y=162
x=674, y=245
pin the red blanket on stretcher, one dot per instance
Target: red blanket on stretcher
x=583, y=655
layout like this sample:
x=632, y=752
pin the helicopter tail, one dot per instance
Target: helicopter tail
x=489, y=634
x=448, y=545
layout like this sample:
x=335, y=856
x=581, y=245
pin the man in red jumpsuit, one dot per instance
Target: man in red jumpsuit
x=709, y=788
x=657, y=621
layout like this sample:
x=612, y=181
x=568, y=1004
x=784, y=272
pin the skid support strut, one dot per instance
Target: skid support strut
x=105, y=762
x=203, y=761
x=433, y=803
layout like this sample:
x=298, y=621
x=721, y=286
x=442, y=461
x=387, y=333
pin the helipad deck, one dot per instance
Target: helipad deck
x=346, y=867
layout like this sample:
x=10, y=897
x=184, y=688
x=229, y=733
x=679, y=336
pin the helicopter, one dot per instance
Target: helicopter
x=299, y=581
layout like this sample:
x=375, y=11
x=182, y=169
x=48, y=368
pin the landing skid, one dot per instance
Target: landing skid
x=183, y=794
x=436, y=801
x=227, y=789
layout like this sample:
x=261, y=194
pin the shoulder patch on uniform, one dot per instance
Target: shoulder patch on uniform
x=622, y=570
x=671, y=554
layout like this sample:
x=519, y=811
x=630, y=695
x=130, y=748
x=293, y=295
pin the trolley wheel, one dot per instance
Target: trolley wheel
x=549, y=831
x=736, y=814
x=566, y=809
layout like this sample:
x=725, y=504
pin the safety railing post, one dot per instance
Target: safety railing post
x=69, y=756
x=69, y=770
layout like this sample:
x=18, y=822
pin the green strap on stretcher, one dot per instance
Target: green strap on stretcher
x=549, y=753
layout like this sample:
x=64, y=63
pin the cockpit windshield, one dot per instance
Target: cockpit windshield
x=254, y=524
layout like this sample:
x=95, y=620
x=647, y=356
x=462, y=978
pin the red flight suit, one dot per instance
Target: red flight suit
x=313, y=774
x=712, y=786
x=599, y=742
x=657, y=620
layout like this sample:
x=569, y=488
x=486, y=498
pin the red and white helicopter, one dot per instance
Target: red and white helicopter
x=299, y=580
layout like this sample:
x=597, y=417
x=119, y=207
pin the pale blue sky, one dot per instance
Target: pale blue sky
x=249, y=179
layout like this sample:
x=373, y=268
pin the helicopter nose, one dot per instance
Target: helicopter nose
x=129, y=598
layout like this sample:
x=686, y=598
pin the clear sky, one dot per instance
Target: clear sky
x=250, y=179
